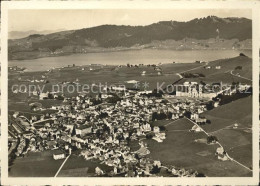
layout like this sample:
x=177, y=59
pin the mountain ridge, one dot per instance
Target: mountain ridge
x=126, y=36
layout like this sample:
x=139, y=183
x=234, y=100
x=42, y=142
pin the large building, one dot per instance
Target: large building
x=194, y=90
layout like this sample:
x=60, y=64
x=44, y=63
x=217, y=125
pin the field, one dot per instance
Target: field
x=39, y=164
x=236, y=141
x=224, y=73
x=180, y=149
x=79, y=167
x=104, y=75
x=107, y=75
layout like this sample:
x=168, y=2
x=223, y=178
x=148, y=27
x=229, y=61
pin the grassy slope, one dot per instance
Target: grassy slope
x=39, y=164
x=223, y=74
x=179, y=149
x=237, y=142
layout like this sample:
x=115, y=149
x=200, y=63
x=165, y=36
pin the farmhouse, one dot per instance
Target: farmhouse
x=43, y=96
x=57, y=155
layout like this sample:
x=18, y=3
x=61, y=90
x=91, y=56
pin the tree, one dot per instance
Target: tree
x=162, y=128
x=187, y=114
x=113, y=99
x=210, y=105
x=73, y=133
x=200, y=175
x=212, y=139
x=103, y=115
x=149, y=136
x=238, y=68
x=155, y=170
x=154, y=116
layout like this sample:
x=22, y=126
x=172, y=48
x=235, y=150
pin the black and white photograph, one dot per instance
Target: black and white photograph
x=127, y=92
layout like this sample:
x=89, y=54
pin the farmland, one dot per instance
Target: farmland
x=180, y=149
x=236, y=140
x=226, y=67
x=107, y=75
x=35, y=164
x=79, y=167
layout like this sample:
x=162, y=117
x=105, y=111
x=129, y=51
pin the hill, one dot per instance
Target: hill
x=23, y=34
x=237, y=141
x=237, y=69
x=107, y=37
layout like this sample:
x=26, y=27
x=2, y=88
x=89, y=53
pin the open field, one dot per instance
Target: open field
x=239, y=111
x=236, y=141
x=224, y=73
x=179, y=149
x=104, y=75
x=39, y=164
x=79, y=167
x=227, y=65
x=107, y=75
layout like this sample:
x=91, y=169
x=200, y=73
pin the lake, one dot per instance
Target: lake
x=146, y=56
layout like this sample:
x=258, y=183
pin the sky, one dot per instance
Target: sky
x=40, y=20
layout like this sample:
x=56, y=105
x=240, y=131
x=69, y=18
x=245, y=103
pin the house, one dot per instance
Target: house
x=194, y=116
x=57, y=155
x=175, y=116
x=146, y=127
x=98, y=171
x=196, y=128
x=156, y=129
x=83, y=130
x=143, y=151
x=43, y=96
x=220, y=151
x=216, y=104
x=200, y=120
x=218, y=67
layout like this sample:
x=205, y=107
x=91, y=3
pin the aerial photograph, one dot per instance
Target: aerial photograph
x=130, y=93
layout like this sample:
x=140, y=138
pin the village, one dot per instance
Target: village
x=103, y=128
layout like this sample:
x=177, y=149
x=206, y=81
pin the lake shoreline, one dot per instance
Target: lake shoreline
x=123, y=50
x=132, y=57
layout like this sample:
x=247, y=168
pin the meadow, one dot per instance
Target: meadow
x=180, y=149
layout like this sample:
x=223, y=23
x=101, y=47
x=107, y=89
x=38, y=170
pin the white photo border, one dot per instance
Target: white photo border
x=5, y=6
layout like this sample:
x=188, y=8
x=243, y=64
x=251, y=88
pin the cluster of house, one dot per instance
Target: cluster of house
x=104, y=131
x=218, y=67
x=221, y=153
x=20, y=148
x=199, y=90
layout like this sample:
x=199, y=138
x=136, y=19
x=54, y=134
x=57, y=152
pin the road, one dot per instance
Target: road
x=171, y=122
x=39, y=121
x=231, y=72
x=33, y=113
x=62, y=166
x=193, y=68
x=179, y=73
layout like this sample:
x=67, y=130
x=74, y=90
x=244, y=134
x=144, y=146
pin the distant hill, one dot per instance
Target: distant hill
x=23, y=34
x=113, y=36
